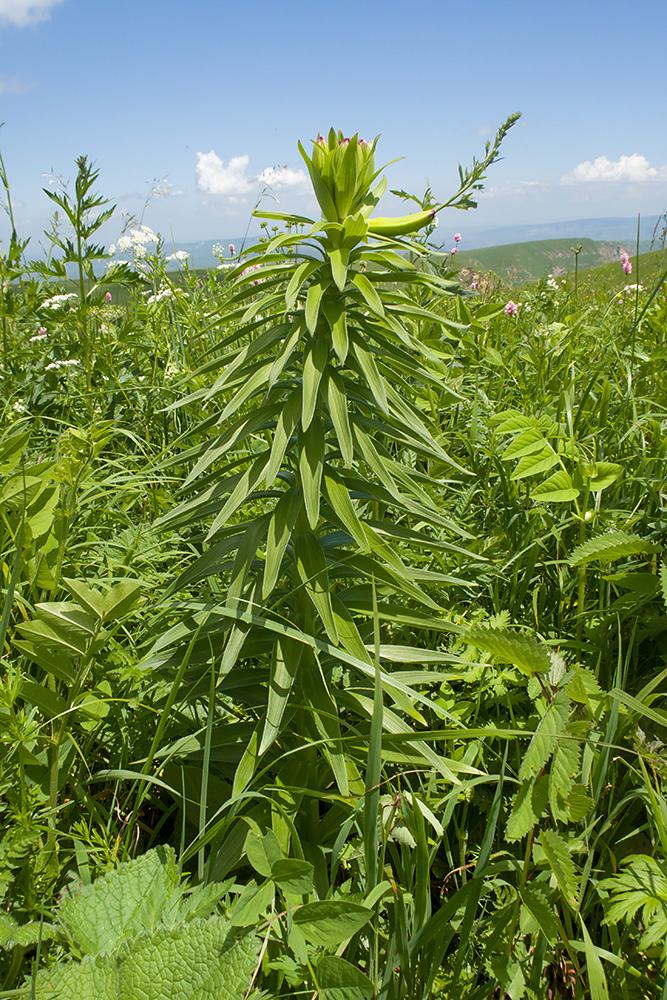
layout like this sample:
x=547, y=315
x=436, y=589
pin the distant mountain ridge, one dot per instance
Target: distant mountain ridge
x=615, y=230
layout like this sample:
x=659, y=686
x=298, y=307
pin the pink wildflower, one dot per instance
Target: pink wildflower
x=232, y=249
x=511, y=308
x=627, y=267
x=457, y=237
x=108, y=296
x=42, y=331
x=454, y=250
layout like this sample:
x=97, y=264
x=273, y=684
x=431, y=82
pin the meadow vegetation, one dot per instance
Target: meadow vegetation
x=334, y=615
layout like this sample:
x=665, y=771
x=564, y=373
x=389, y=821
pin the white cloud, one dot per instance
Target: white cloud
x=213, y=177
x=634, y=169
x=23, y=12
x=12, y=85
x=283, y=177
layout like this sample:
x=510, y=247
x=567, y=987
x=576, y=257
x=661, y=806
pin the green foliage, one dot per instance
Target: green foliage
x=137, y=933
x=345, y=588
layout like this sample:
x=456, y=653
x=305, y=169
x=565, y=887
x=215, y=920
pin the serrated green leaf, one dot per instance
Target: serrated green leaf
x=578, y=803
x=121, y=904
x=564, y=768
x=529, y=805
x=23, y=935
x=558, y=857
x=536, y=902
x=585, y=689
x=609, y=547
x=197, y=960
x=520, y=651
x=550, y=727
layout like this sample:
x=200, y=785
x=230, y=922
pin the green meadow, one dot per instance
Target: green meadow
x=334, y=611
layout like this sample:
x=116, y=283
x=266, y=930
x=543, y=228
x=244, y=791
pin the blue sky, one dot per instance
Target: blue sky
x=213, y=96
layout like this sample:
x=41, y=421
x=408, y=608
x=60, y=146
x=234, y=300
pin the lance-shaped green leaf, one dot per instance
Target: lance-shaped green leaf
x=285, y=660
x=246, y=484
x=284, y=429
x=369, y=370
x=312, y=569
x=283, y=520
x=336, y=317
x=313, y=300
x=311, y=466
x=246, y=553
x=338, y=497
x=339, y=258
x=334, y=390
x=316, y=355
x=369, y=294
x=296, y=282
x=249, y=386
x=324, y=714
x=291, y=342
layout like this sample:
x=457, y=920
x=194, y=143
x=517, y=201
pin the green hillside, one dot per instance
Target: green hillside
x=520, y=262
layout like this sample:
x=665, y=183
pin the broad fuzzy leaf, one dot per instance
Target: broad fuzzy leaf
x=197, y=960
x=126, y=901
